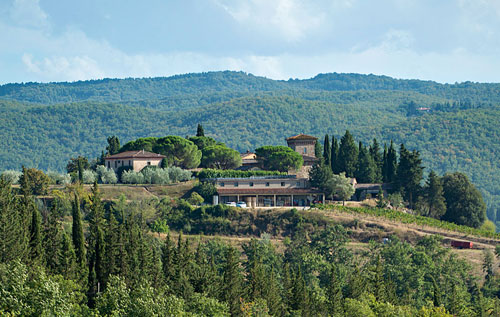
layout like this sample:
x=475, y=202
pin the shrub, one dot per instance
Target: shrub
x=160, y=226
x=177, y=174
x=206, y=190
x=106, y=175
x=131, y=177
x=89, y=176
x=34, y=181
x=195, y=199
x=11, y=176
x=59, y=179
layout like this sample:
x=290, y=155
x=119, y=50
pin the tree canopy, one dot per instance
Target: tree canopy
x=279, y=158
x=220, y=157
x=464, y=203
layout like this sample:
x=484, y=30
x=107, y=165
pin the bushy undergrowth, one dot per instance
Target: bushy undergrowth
x=156, y=176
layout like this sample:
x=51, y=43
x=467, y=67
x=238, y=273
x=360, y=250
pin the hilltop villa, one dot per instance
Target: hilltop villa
x=267, y=191
x=271, y=191
x=137, y=160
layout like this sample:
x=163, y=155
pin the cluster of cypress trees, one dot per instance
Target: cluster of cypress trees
x=367, y=164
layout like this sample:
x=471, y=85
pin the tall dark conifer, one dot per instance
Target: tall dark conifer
x=391, y=164
x=67, y=258
x=409, y=174
x=348, y=155
x=36, y=250
x=199, y=130
x=318, y=150
x=327, y=152
x=231, y=292
x=334, y=155
x=113, y=145
x=366, y=169
x=378, y=159
x=334, y=294
x=96, y=244
x=52, y=239
x=13, y=242
x=77, y=233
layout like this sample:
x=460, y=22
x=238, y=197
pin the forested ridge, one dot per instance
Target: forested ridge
x=43, y=125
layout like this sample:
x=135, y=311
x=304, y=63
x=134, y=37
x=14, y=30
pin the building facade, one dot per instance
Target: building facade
x=136, y=160
x=269, y=191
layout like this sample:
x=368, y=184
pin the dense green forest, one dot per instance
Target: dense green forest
x=43, y=125
x=82, y=256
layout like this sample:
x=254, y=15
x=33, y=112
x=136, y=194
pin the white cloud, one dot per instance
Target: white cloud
x=291, y=19
x=28, y=13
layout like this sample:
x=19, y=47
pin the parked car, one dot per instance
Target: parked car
x=231, y=203
x=241, y=204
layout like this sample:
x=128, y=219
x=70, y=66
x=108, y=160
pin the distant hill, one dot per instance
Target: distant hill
x=43, y=125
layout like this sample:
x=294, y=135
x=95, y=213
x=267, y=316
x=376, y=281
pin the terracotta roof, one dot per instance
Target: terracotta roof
x=267, y=191
x=135, y=154
x=301, y=136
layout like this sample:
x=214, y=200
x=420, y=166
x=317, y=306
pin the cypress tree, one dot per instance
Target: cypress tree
x=434, y=196
x=67, y=257
x=273, y=296
x=36, y=250
x=327, y=152
x=199, y=130
x=392, y=164
x=287, y=286
x=257, y=282
x=113, y=145
x=96, y=244
x=348, y=155
x=13, y=240
x=334, y=294
x=231, y=292
x=378, y=159
x=52, y=240
x=77, y=233
x=366, y=169
x=300, y=296
x=80, y=172
x=318, y=150
x=384, y=164
x=112, y=251
x=168, y=260
x=409, y=174
x=334, y=155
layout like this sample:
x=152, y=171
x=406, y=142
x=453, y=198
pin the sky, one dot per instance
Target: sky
x=446, y=41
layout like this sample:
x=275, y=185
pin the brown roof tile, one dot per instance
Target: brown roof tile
x=135, y=154
x=302, y=136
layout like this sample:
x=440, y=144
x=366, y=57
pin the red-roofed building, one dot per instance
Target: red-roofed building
x=137, y=160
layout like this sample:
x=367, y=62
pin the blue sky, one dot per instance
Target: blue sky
x=67, y=40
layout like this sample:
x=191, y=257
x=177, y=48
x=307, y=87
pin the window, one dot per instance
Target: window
x=305, y=150
x=251, y=184
x=129, y=163
x=221, y=184
x=267, y=184
x=109, y=164
x=298, y=184
x=235, y=184
x=116, y=164
x=149, y=163
x=282, y=184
